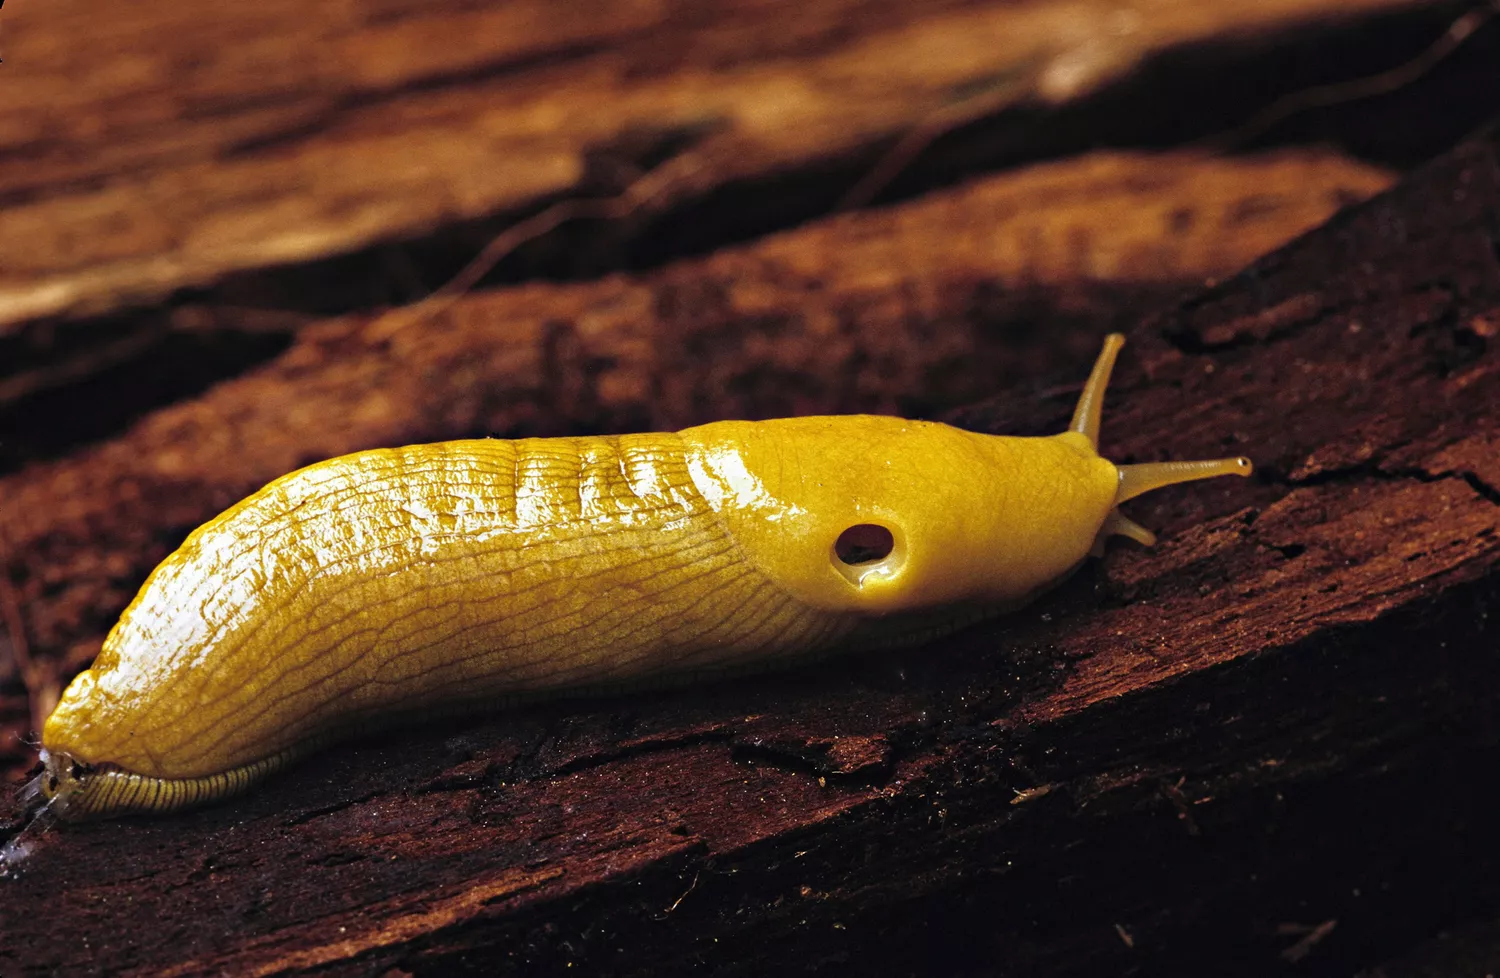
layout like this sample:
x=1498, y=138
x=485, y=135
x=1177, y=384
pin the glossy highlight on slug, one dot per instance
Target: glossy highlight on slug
x=401, y=583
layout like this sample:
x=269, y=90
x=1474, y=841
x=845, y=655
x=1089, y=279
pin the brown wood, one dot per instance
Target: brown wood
x=150, y=147
x=165, y=186
x=1300, y=676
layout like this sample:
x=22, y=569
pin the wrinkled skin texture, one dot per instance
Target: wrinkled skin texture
x=399, y=578
x=436, y=578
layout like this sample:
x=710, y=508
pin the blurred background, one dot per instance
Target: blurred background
x=230, y=233
x=185, y=190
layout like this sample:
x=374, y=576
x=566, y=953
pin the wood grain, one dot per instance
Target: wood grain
x=148, y=149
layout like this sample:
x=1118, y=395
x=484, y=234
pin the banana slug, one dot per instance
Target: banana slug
x=433, y=578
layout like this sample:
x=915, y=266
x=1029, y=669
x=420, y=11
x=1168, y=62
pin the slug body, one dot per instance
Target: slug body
x=437, y=578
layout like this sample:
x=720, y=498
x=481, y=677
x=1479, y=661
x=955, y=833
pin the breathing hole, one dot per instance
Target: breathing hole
x=864, y=543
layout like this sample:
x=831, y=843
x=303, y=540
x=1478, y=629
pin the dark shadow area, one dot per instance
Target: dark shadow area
x=83, y=382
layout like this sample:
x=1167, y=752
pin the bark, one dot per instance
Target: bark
x=1215, y=753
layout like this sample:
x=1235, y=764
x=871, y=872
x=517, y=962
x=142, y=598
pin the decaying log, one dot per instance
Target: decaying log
x=1211, y=756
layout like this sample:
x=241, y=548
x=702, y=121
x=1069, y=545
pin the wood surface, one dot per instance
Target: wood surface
x=1261, y=747
x=150, y=147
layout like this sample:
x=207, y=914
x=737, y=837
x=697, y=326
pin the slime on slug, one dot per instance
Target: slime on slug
x=399, y=583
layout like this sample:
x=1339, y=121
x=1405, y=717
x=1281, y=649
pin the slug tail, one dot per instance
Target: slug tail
x=1136, y=480
x=1091, y=402
x=77, y=792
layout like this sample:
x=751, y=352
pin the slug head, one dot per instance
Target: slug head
x=879, y=515
x=876, y=515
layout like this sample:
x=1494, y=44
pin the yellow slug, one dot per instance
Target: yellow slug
x=403, y=582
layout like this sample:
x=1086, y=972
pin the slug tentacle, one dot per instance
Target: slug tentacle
x=1117, y=524
x=394, y=585
x=1086, y=416
x=1144, y=477
x=1136, y=479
